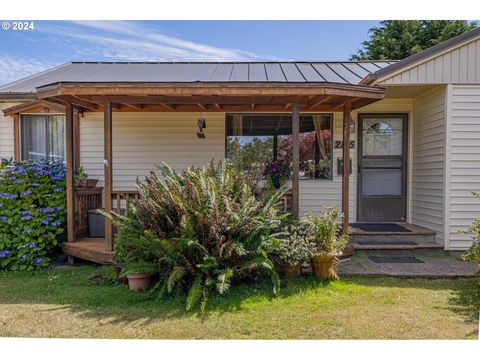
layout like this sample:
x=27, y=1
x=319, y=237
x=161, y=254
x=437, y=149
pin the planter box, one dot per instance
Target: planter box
x=86, y=183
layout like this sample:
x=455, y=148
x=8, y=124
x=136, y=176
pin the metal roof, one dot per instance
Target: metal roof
x=350, y=73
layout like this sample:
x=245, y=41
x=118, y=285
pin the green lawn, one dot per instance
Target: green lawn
x=67, y=303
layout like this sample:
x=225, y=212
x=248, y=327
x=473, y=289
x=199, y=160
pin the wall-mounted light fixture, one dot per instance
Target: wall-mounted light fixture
x=202, y=124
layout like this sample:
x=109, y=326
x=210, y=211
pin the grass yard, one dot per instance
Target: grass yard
x=67, y=303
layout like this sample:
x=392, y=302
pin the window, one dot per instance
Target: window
x=254, y=140
x=43, y=137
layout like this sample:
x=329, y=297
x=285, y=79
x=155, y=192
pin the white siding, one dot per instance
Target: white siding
x=428, y=161
x=6, y=131
x=142, y=140
x=464, y=169
x=460, y=65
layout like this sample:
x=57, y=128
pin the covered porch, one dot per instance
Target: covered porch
x=110, y=99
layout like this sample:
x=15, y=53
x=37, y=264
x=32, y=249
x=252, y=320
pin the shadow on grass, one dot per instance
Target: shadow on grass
x=74, y=290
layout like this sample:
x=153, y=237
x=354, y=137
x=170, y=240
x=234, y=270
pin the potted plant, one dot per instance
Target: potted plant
x=328, y=242
x=139, y=274
x=276, y=173
x=82, y=180
x=294, y=248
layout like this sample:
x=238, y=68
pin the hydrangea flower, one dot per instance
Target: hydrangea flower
x=25, y=212
x=27, y=231
x=35, y=184
x=4, y=253
x=58, y=189
x=32, y=245
x=45, y=222
x=25, y=193
x=37, y=261
x=19, y=181
x=25, y=218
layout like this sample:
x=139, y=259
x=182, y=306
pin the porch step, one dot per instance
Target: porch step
x=397, y=246
x=415, y=237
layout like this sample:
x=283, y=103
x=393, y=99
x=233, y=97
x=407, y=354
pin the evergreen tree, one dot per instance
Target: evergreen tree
x=398, y=39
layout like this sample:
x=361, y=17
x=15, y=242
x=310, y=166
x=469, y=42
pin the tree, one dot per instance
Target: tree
x=398, y=39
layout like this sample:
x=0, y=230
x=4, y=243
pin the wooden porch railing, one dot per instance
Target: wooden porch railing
x=121, y=199
x=85, y=199
x=91, y=198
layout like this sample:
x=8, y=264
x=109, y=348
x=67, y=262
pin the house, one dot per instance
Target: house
x=410, y=128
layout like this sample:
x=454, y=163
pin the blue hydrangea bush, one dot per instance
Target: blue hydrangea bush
x=32, y=212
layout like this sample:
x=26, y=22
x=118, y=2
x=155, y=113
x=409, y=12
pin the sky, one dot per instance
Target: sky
x=51, y=43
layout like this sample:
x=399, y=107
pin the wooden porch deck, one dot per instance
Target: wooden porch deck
x=87, y=248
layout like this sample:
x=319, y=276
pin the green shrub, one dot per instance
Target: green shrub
x=32, y=212
x=473, y=254
x=295, y=246
x=203, y=228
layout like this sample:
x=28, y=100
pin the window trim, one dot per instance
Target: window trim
x=332, y=120
x=20, y=137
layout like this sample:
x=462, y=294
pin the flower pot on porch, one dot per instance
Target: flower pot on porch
x=325, y=266
x=86, y=183
x=139, y=281
x=290, y=271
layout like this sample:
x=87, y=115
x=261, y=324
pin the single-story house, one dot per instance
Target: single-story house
x=411, y=129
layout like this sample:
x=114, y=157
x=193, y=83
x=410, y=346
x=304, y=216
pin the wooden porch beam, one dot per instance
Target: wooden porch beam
x=169, y=107
x=343, y=102
x=346, y=166
x=317, y=100
x=81, y=102
x=295, y=159
x=287, y=106
x=201, y=106
x=218, y=106
x=69, y=137
x=136, y=107
x=108, y=172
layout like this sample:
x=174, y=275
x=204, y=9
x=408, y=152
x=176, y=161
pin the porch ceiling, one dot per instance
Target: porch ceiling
x=209, y=97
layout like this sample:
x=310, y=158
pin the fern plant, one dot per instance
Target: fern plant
x=326, y=231
x=204, y=227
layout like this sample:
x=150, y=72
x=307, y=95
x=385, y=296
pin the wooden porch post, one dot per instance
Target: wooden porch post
x=295, y=159
x=346, y=166
x=108, y=176
x=16, y=137
x=70, y=171
x=76, y=141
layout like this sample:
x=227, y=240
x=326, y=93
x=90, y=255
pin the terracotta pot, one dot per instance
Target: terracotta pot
x=290, y=271
x=139, y=281
x=325, y=266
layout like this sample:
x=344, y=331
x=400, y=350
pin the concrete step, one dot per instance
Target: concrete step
x=416, y=235
x=386, y=246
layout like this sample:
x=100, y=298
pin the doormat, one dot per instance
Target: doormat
x=380, y=227
x=387, y=243
x=395, y=260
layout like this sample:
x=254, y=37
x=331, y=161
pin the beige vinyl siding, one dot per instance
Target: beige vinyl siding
x=464, y=170
x=460, y=65
x=428, y=161
x=142, y=140
x=6, y=131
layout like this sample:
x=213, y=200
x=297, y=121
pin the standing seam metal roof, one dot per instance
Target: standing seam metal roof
x=207, y=72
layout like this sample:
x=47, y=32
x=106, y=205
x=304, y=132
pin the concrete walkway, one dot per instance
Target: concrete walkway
x=423, y=265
